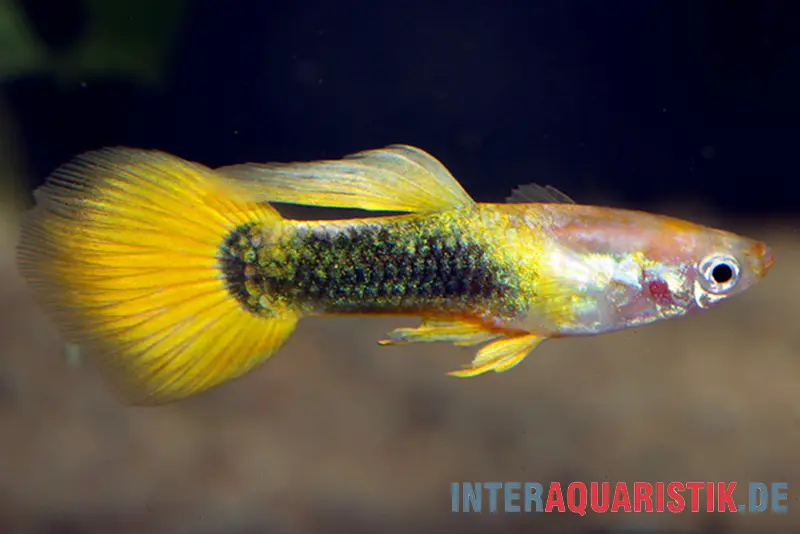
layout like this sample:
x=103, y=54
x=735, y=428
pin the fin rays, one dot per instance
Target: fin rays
x=396, y=178
x=536, y=193
x=503, y=351
x=500, y=356
x=122, y=248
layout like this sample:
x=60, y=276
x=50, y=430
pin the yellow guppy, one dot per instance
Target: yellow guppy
x=180, y=277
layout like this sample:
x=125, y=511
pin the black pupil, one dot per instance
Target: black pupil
x=722, y=273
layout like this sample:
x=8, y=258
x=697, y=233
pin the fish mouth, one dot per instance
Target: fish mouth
x=764, y=258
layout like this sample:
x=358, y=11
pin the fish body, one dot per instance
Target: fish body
x=181, y=277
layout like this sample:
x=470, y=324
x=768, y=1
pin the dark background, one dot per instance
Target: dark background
x=641, y=102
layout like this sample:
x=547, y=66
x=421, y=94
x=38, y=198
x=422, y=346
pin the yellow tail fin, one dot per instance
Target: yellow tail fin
x=123, y=249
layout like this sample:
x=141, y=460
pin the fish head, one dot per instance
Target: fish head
x=717, y=264
x=688, y=267
x=612, y=269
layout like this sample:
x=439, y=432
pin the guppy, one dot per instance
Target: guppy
x=182, y=277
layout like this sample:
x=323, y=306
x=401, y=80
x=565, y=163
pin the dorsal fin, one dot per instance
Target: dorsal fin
x=537, y=193
x=396, y=178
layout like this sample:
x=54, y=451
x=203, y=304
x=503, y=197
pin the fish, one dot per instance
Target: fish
x=178, y=277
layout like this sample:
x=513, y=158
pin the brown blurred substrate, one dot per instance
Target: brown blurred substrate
x=337, y=434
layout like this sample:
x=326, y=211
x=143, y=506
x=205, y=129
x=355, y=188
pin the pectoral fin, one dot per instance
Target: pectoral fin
x=396, y=178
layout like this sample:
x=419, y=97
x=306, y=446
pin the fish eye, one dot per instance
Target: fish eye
x=720, y=273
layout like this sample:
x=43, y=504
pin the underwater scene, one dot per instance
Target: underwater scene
x=373, y=267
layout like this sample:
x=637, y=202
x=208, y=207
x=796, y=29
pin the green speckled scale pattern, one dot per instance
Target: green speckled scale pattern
x=398, y=265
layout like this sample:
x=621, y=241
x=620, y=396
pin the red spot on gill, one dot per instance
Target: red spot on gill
x=659, y=291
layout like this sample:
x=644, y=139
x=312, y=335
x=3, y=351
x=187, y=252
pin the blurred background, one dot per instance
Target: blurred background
x=685, y=107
